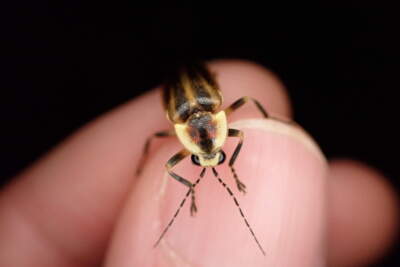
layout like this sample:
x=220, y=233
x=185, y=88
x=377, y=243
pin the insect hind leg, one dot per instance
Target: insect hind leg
x=243, y=100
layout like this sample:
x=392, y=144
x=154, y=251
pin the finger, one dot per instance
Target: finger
x=284, y=172
x=363, y=215
x=63, y=208
x=66, y=203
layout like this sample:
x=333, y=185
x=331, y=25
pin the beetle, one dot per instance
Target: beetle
x=192, y=99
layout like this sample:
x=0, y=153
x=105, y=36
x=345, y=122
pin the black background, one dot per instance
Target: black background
x=65, y=64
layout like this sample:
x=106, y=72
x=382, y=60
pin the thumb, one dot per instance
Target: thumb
x=285, y=175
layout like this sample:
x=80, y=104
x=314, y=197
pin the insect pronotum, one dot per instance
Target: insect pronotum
x=192, y=99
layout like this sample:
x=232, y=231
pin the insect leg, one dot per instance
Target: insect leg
x=236, y=133
x=146, y=148
x=178, y=210
x=243, y=100
x=171, y=163
x=240, y=209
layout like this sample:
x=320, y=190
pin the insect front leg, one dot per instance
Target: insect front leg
x=236, y=133
x=171, y=163
x=165, y=133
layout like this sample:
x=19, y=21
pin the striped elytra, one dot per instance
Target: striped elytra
x=190, y=90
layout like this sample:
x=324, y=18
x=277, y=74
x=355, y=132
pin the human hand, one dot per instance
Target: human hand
x=81, y=204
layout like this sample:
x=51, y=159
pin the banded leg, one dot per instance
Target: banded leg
x=243, y=100
x=236, y=133
x=171, y=163
x=146, y=148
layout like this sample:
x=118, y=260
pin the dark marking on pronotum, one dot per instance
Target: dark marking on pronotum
x=202, y=130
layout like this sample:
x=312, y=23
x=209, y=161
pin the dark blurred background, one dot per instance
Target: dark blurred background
x=63, y=64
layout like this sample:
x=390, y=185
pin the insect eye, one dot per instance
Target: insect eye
x=222, y=157
x=196, y=160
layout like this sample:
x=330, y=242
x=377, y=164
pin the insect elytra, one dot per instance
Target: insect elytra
x=190, y=90
x=192, y=101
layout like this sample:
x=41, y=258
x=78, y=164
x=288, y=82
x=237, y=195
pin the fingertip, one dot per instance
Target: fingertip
x=79, y=185
x=285, y=207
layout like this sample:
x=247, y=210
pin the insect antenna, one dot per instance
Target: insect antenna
x=240, y=210
x=179, y=209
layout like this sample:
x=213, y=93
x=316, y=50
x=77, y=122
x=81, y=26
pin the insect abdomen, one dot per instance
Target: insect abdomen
x=190, y=90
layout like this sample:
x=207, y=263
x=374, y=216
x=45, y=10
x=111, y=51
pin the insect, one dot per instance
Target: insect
x=192, y=99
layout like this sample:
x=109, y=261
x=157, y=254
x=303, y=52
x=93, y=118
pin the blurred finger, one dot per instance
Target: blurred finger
x=363, y=215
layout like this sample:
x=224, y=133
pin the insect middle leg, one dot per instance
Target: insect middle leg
x=170, y=164
x=236, y=133
x=165, y=133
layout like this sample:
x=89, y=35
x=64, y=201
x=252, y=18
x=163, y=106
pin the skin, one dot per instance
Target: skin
x=81, y=204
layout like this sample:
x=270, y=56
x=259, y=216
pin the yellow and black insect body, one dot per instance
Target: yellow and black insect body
x=192, y=99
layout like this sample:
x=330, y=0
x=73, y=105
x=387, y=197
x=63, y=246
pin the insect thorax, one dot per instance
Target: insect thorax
x=203, y=134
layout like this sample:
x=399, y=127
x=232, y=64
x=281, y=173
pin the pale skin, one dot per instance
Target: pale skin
x=81, y=204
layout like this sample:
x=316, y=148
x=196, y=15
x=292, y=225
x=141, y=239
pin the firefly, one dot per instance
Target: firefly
x=192, y=101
